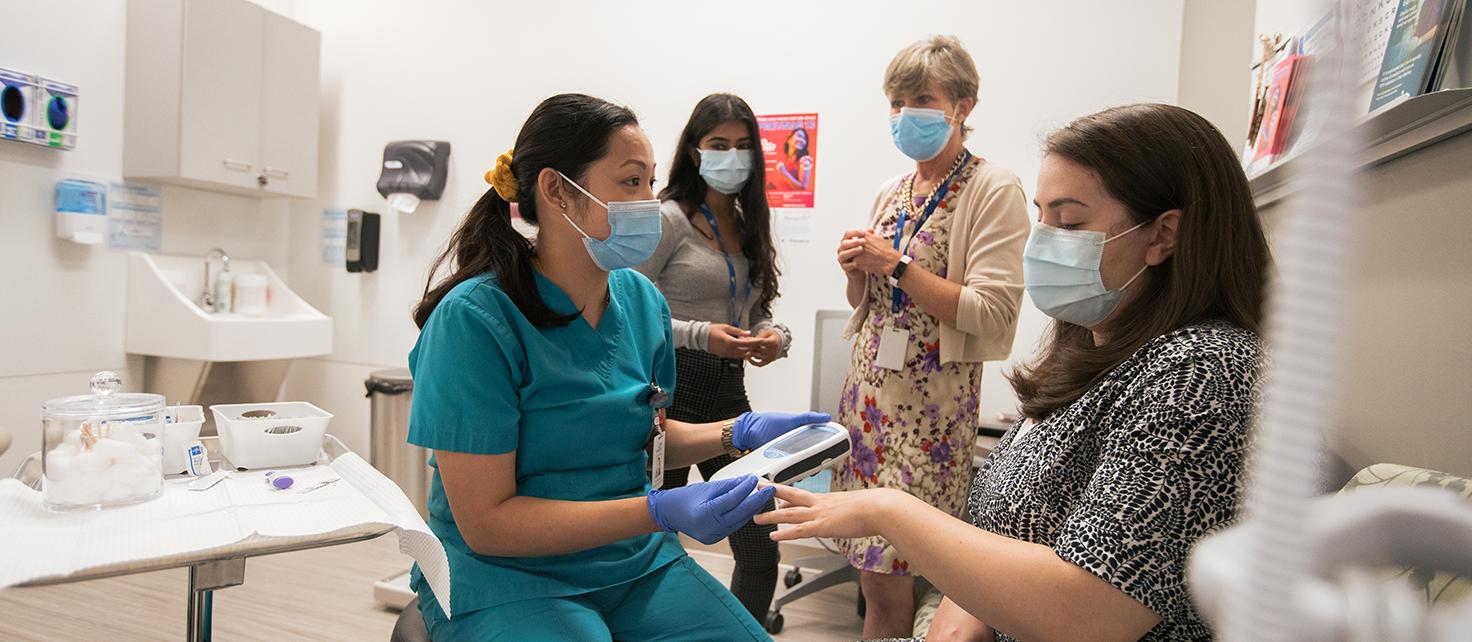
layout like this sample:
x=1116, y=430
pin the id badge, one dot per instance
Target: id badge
x=659, y=400
x=656, y=451
x=892, y=345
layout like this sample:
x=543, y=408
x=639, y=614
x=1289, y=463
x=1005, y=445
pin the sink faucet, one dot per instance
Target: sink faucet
x=207, y=300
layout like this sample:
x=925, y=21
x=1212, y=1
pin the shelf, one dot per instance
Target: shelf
x=1388, y=134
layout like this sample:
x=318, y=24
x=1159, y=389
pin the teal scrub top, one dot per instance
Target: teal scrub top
x=571, y=401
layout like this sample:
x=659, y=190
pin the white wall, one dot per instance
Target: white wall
x=1216, y=52
x=470, y=72
x=64, y=314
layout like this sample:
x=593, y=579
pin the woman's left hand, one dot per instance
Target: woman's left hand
x=769, y=349
x=840, y=515
x=867, y=252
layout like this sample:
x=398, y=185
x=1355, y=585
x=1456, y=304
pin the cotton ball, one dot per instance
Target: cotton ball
x=70, y=450
x=72, y=438
x=116, y=491
x=58, y=466
x=87, y=489
x=130, y=437
x=114, y=450
x=133, y=459
x=152, y=447
x=89, y=461
x=132, y=473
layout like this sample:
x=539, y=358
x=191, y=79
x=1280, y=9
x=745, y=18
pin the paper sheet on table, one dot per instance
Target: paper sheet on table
x=39, y=543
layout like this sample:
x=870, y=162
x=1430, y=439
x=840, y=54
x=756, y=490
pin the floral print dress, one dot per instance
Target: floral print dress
x=911, y=428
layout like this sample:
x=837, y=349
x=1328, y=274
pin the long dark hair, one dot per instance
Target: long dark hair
x=687, y=188
x=567, y=132
x=1155, y=158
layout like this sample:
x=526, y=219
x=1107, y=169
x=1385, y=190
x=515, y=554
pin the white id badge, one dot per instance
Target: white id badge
x=656, y=453
x=892, y=344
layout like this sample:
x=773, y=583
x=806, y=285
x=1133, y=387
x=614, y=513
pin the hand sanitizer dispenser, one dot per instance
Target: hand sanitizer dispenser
x=414, y=171
x=81, y=211
x=362, y=243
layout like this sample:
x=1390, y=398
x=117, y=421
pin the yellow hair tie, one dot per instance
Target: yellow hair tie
x=501, y=178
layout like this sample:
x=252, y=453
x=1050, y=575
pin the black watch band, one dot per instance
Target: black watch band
x=899, y=270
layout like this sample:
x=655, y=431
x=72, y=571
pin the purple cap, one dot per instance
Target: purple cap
x=279, y=482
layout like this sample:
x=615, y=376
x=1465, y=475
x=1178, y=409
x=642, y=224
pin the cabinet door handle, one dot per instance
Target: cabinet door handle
x=239, y=166
x=274, y=172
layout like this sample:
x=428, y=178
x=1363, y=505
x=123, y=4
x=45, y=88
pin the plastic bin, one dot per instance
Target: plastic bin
x=270, y=435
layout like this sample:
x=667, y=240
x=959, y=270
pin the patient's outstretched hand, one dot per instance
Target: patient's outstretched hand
x=847, y=514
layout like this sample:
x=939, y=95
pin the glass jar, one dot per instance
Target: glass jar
x=103, y=449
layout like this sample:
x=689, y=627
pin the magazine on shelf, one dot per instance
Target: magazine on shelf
x=1273, y=51
x=1414, y=50
x=1281, y=105
x=1456, y=73
x=1446, y=75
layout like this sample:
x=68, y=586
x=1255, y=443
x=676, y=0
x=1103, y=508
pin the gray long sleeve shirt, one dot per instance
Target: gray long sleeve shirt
x=694, y=279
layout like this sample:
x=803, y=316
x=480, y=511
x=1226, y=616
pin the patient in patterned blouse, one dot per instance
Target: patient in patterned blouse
x=1148, y=254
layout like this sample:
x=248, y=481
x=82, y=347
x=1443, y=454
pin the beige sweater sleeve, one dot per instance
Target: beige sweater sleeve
x=991, y=290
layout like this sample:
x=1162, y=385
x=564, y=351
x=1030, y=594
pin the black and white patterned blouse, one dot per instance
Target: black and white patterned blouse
x=1124, y=481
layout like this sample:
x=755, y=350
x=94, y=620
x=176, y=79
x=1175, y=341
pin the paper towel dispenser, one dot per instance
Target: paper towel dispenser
x=413, y=171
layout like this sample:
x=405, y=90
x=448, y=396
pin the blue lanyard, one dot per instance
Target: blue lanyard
x=732, y=306
x=899, y=225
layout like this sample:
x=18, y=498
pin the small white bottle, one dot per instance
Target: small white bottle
x=225, y=292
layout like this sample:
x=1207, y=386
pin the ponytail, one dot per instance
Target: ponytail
x=567, y=133
x=486, y=242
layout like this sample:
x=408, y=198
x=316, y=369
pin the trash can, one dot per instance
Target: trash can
x=390, y=393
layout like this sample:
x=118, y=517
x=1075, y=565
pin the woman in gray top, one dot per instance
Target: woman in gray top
x=717, y=266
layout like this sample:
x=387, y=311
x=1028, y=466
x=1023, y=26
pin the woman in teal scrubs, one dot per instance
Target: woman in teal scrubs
x=540, y=372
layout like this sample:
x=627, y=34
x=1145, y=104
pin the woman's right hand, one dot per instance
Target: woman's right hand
x=708, y=511
x=846, y=247
x=730, y=342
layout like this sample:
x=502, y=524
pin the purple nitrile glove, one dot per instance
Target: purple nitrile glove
x=756, y=428
x=708, y=511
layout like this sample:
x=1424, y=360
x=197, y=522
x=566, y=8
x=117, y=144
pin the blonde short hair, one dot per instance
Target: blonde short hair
x=939, y=59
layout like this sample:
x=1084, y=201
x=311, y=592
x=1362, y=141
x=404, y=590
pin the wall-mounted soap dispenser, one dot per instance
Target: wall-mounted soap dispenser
x=414, y=171
x=81, y=211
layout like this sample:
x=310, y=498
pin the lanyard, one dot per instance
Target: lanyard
x=733, y=306
x=899, y=226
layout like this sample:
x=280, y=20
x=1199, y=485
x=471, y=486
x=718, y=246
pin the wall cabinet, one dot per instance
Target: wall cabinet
x=221, y=95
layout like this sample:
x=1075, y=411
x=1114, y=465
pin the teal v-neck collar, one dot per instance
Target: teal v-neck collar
x=597, y=346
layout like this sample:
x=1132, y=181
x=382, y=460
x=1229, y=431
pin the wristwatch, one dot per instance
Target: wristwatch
x=899, y=270
x=727, y=428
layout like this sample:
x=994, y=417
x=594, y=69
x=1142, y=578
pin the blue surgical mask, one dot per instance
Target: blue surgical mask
x=726, y=171
x=920, y=133
x=634, y=230
x=1060, y=269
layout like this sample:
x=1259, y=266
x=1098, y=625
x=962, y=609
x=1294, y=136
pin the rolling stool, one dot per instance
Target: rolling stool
x=410, y=625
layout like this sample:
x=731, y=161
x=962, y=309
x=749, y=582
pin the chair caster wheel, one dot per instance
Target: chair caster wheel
x=774, y=622
x=793, y=578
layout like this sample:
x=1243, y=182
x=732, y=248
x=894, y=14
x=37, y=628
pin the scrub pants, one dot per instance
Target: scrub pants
x=679, y=602
x=709, y=388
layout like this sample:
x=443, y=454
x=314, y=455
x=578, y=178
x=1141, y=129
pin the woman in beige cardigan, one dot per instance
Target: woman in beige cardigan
x=936, y=282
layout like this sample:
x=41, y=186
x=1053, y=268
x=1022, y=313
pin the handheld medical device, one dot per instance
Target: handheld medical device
x=793, y=456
